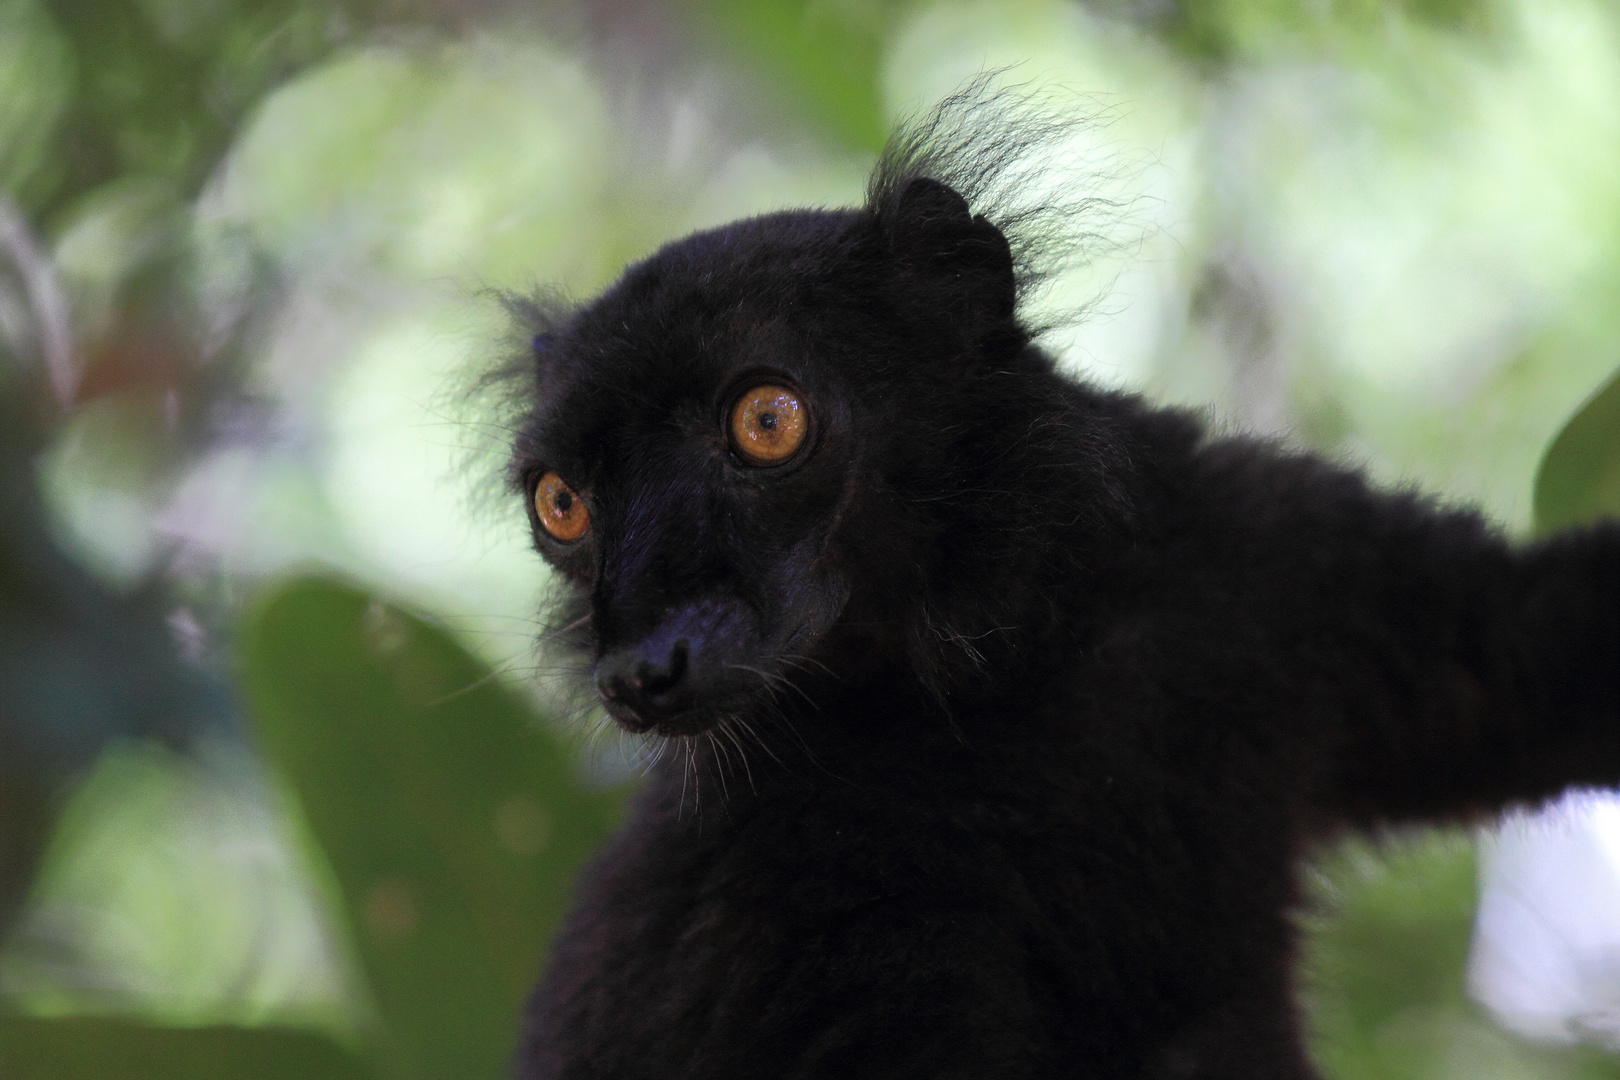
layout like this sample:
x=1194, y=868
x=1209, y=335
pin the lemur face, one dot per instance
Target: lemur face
x=719, y=441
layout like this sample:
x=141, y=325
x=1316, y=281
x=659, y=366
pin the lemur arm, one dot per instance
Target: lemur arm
x=1444, y=671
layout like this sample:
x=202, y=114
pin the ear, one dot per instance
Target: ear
x=964, y=259
x=540, y=317
x=542, y=344
x=545, y=363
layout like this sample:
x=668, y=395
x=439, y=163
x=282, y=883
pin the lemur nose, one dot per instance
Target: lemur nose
x=636, y=684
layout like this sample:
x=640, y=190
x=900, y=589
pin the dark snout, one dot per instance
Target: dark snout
x=676, y=677
x=645, y=682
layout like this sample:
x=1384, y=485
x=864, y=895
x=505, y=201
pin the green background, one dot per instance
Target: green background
x=260, y=242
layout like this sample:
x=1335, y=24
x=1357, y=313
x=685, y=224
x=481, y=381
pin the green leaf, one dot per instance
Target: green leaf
x=80, y=1047
x=1579, y=478
x=36, y=83
x=452, y=816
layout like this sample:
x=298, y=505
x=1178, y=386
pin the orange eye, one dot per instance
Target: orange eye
x=561, y=512
x=767, y=425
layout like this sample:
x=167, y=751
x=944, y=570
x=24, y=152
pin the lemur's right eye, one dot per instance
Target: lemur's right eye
x=767, y=424
x=562, y=514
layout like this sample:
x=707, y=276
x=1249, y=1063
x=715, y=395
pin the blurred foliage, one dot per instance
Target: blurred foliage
x=80, y=1048
x=1386, y=228
x=174, y=892
x=157, y=88
x=449, y=820
x=1390, y=925
x=821, y=58
x=452, y=817
x=1226, y=31
x=1579, y=478
x=80, y=664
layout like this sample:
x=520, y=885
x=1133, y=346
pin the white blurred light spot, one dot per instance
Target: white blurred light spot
x=1546, y=952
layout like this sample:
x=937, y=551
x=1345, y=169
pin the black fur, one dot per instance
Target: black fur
x=993, y=726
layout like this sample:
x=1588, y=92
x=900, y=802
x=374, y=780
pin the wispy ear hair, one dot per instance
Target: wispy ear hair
x=498, y=395
x=537, y=316
x=519, y=380
x=1012, y=153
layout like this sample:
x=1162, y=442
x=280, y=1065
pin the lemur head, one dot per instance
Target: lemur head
x=783, y=449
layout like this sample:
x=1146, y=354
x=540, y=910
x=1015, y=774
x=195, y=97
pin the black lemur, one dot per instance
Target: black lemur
x=994, y=712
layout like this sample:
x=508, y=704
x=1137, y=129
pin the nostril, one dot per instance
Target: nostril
x=616, y=677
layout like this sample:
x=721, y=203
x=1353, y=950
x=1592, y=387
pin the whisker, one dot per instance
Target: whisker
x=697, y=782
x=773, y=680
x=494, y=674
x=742, y=751
x=754, y=735
x=802, y=660
x=651, y=758
x=722, y=764
x=686, y=771
x=575, y=625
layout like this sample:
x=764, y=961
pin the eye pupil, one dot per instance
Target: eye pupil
x=564, y=502
x=767, y=421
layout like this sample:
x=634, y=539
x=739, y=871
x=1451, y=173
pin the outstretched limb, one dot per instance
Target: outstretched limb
x=1440, y=671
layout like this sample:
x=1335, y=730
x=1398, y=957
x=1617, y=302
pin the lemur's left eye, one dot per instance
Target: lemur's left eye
x=767, y=424
x=561, y=512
